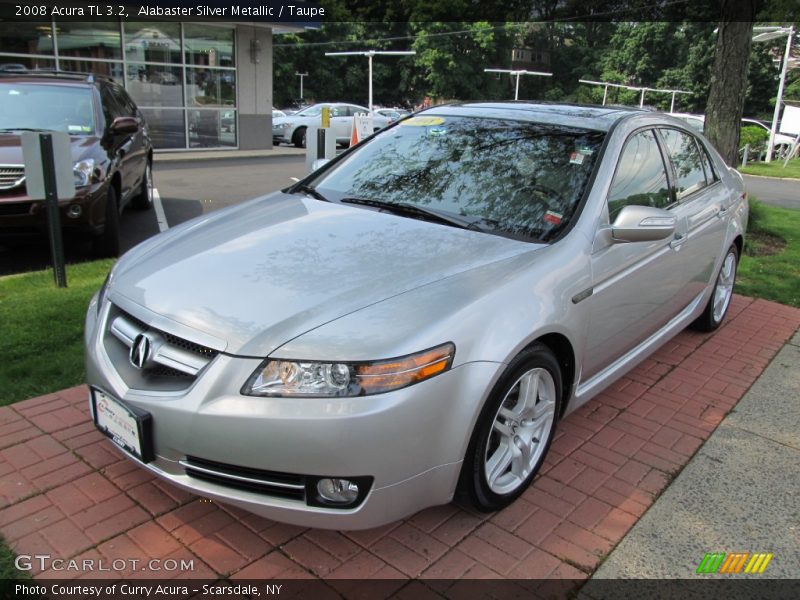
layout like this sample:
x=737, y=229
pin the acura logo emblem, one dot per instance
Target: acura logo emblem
x=140, y=350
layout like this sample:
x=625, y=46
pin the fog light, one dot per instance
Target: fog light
x=337, y=491
x=74, y=211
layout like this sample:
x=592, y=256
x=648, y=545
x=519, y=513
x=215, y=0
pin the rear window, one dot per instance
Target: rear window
x=520, y=178
x=50, y=107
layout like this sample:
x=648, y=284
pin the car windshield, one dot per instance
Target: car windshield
x=50, y=107
x=515, y=178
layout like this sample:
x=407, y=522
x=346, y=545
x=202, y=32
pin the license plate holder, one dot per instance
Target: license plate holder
x=127, y=426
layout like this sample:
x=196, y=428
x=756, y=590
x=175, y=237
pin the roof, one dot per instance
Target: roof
x=586, y=116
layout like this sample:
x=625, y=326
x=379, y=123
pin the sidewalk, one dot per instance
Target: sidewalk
x=738, y=493
x=65, y=490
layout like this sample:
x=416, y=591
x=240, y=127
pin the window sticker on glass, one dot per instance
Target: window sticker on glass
x=553, y=217
x=576, y=158
x=423, y=121
x=437, y=131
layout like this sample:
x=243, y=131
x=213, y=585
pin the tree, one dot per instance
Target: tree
x=729, y=78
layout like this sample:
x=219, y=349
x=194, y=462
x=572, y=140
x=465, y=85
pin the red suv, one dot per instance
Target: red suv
x=111, y=150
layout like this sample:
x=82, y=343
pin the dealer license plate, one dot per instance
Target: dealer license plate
x=127, y=426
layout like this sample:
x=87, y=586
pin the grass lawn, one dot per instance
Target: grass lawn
x=774, y=169
x=770, y=267
x=42, y=341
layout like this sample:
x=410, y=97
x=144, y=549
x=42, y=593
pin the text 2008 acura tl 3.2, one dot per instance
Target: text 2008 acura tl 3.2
x=410, y=322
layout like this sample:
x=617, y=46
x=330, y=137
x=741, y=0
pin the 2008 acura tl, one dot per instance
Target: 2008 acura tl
x=410, y=322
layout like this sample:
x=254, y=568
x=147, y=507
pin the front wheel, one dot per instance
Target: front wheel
x=720, y=299
x=299, y=138
x=513, y=432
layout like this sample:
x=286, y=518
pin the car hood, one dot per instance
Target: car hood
x=11, y=147
x=261, y=273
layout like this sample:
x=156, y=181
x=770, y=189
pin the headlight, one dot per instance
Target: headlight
x=101, y=295
x=324, y=379
x=82, y=171
x=285, y=125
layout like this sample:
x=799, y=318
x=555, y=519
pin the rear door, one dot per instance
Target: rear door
x=701, y=199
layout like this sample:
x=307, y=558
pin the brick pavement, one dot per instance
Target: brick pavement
x=66, y=491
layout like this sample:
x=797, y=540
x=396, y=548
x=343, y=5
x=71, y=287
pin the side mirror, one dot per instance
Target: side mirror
x=643, y=224
x=124, y=125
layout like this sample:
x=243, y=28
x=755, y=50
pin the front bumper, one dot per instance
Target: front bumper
x=21, y=215
x=410, y=441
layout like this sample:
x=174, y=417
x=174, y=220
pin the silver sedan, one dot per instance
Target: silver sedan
x=410, y=322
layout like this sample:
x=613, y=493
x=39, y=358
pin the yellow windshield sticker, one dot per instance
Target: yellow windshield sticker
x=423, y=121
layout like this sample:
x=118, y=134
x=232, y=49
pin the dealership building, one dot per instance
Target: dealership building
x=199, y=85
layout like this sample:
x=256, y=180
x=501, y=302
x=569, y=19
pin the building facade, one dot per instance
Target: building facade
x=199, y=85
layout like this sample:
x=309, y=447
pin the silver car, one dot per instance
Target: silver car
x=409, y=323
x=292, y=129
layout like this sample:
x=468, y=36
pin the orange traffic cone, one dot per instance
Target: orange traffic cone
x=354, y=134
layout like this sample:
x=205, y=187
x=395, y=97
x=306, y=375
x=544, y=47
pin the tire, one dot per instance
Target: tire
x=512, y=435
x=299, y=137
x=717, y=307
x=107, y=244
x=144, y=199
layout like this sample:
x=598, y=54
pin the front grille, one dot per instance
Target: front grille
x=173, y=362
x=10, y=209
x=11, y=176
x=271, y=483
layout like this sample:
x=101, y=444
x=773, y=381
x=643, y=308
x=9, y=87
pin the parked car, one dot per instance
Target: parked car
x=110, y=145
x=277, y=113
x=389, y=113
x=783, y=142
x=292, y=129
x=409, y=323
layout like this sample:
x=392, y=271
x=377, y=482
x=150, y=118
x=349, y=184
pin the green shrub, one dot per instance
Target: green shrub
x=755, y=136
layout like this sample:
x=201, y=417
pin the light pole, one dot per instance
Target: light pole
x=369, y=54
x=517, y=74
x=301, y=75
x=771, y=33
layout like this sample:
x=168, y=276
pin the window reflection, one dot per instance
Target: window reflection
x=15, y=64
x=212, y=128
x=110, y=69
x=210, y=87
x=524, y=179
x=166, y=127
x=95, y=39
x=153, y=42
x=686, y=160
x=155, y=85
x=208, y=45
x=25, y=38
x=640, y=178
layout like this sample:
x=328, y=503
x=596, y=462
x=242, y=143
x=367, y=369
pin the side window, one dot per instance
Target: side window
x=641, y=178
x=708, y=166
x=123, y=101
x=685, y=156
x=111, y=107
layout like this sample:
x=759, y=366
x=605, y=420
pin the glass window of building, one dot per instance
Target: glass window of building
x=95, y=39
x=208, y=45
x=152, y=42
x=155, y=85
x=110, y=69
x=167, y=128
x=25, y=38
x=210, y=87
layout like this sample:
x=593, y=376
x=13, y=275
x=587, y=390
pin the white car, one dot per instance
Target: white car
x=783, y=142
x=292, y=128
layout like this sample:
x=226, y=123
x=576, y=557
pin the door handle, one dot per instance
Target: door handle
x=723, y=211
x=678, y=240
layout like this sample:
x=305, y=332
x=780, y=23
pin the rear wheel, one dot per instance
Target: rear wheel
x=144, y=199
x=720, y=299
x=107, y=244
x=513, y=432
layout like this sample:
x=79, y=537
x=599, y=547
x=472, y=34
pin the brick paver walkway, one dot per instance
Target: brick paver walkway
x=66, y=491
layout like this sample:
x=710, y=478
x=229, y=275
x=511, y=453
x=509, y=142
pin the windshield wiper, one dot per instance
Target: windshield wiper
x=310, y=191
x=412, y=210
